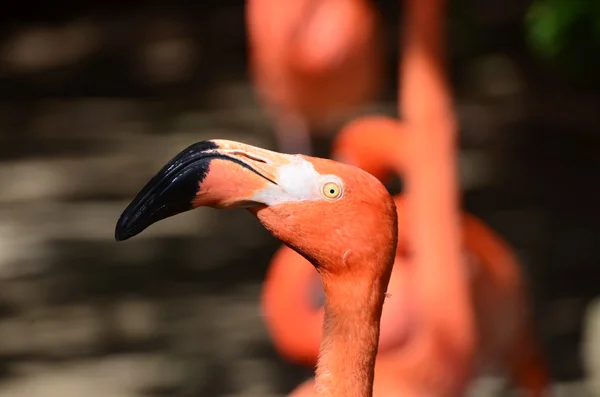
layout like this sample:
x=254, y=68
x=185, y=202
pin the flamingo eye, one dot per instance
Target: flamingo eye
x=332, y=190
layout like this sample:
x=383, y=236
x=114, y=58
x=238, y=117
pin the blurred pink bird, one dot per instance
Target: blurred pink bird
x=313, y=63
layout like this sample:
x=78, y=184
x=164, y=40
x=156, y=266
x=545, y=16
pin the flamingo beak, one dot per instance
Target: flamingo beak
x=216, y=173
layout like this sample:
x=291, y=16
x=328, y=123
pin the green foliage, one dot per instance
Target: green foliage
x=567, y=33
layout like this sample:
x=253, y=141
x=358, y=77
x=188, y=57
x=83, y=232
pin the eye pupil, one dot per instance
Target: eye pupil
x=331, y=190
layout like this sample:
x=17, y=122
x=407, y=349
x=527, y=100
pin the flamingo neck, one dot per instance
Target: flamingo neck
x=350, y=337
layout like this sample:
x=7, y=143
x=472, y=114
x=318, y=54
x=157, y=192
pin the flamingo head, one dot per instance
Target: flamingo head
x=335, y=215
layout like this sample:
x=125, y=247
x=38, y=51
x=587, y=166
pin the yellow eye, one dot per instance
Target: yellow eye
x=332, y=190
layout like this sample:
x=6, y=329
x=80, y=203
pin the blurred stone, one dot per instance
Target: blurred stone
x=562, y=317
x=474, y=169
x=246, y=124
x=36, y=49
x=528, y=226
x=21, y=253
x=120, y=376
x=66, y=331
x=243, y=325
x=15, y=337
x=137, y=320
x=163, y=50
x=22, y=294
x=499, y=12
x=251, y=377
x=86, y=221
x=496, y=76
x=591, y=345
x=572, y=389
x=486, y=386
x=136, y=372
x=167, y=61
x=239, y=94
x=109, y=119
x=479, y=122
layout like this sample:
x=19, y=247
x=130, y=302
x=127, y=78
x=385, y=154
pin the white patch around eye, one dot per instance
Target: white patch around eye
x=297, y=181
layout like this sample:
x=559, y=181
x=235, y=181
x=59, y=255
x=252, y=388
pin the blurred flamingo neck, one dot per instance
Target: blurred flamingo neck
x=350, y=337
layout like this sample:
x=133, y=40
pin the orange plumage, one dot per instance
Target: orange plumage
x=313, y=62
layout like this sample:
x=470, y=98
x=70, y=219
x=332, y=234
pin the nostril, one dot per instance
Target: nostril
x=250, y=156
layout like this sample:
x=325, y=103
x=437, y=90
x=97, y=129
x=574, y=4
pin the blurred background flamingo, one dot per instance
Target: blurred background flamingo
x=313, y=63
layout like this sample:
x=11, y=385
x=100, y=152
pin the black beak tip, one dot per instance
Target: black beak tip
x=122, y=231
x=169, y=192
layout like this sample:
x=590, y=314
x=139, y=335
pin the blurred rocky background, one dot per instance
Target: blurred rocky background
x=96, y=96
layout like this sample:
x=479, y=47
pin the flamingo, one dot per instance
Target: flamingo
x=292, y=295
x=450, y=349
x=313, y=62
x=375, y=144
x=292, y=302
x=339, y=217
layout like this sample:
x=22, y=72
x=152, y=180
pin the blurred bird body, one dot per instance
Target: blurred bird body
x=313, y=62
